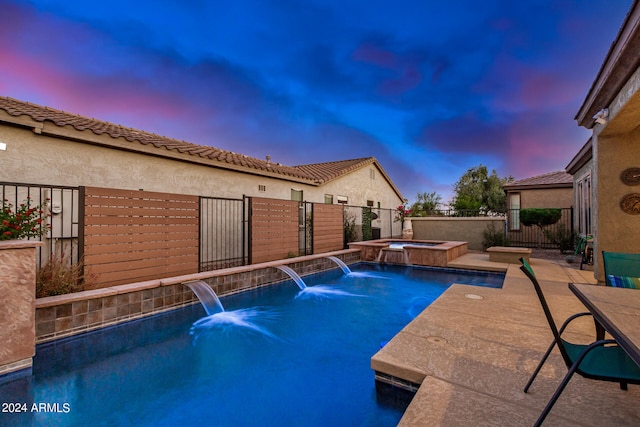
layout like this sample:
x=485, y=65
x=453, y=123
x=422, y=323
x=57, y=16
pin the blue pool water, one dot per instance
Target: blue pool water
x=402, y=244
x=277, y=356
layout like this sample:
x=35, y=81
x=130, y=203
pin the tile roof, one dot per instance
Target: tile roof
x=317, y=174
x=324, y=172
x=557, y=179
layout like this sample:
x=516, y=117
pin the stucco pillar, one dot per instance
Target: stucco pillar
x=18, y=304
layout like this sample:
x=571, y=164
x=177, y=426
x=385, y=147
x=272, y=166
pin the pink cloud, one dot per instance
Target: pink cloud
x=541, y=144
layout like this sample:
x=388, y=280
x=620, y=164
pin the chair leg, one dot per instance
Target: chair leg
x=556, y=395
x=544, y=359
x=599, y=330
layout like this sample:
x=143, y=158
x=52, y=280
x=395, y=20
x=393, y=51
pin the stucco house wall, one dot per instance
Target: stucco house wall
x=616, y=230
x=614, y=100
x=546, y=198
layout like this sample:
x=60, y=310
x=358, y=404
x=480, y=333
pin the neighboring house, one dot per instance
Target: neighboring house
x=550, y=190
x=611, y=110
x=48, y=146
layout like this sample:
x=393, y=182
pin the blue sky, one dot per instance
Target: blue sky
x=430, y=88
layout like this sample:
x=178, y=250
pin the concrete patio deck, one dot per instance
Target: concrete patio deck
x=473, y=356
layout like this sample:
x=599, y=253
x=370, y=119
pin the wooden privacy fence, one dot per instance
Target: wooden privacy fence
x=127, y=236
x=273, y=229
x=328, y=226
x=278, y=228
x=132, y=236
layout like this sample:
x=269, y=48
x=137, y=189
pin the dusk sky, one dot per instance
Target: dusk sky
x=430, y=88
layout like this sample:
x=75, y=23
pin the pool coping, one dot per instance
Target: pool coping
x=471, y=357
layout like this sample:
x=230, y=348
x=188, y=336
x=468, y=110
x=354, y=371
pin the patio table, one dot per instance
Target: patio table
x=615, y=309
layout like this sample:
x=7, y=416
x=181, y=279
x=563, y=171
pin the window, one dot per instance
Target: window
x=514, y=211
x=343, y=200
x=370, y=203
x=583, y=193
x=262, y=188
x=328, y=199
x=372, y=174
x=296, y=195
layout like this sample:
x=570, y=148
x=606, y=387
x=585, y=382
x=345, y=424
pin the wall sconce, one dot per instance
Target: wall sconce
x=601, y=116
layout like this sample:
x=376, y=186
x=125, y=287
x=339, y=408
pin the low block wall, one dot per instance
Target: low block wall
x=65, y=315
x=452, y=228
x=18, y=290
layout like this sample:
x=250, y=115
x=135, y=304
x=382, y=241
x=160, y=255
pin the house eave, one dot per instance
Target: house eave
x=581, y=158
x=536, y=187
x=621, y=62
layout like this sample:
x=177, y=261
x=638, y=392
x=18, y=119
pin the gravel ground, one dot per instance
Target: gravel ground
x=560, y=258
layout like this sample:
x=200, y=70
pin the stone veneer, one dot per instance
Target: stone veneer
x=18, y=290
x=70, y=314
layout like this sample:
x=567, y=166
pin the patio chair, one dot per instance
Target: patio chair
x=621, y=270
x=584, y=248
x=601, y=360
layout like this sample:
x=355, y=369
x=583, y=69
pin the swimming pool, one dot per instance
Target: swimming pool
x=300, y=358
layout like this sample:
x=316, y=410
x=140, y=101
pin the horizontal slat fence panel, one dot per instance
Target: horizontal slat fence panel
x=328, y=234
x=132, y=236
x=274, y=229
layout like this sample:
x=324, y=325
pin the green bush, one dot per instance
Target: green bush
x=349, y=227
x=494, y=237
x=563, y=237
x=540, y=217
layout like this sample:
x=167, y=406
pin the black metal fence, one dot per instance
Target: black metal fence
x=223, y=233
x=368, y=223
x=553, y=236
x=458, y=213
x=62, y=216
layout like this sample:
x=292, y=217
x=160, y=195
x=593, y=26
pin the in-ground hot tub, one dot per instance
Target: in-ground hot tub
x=435, y=253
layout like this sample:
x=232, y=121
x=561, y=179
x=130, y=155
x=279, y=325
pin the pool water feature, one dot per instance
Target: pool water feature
x=294, y=276
x=210, y=301
x=301, y=361
x=344, y=267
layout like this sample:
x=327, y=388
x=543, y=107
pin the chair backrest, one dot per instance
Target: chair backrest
x=620, y=264
x=581, y=243
x=528, y=271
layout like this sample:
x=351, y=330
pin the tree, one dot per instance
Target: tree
x=479, y=190
x=426, y=204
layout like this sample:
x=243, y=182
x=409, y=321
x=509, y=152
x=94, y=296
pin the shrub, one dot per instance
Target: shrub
x=563, y=237
x=540, y=217
x=494, y=237
x=58, y=276
x=26, y=221
x=350, y=232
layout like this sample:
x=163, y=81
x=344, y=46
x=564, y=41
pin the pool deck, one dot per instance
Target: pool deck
x=473, y=356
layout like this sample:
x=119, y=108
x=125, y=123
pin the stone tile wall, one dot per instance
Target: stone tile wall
x=65, y=315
